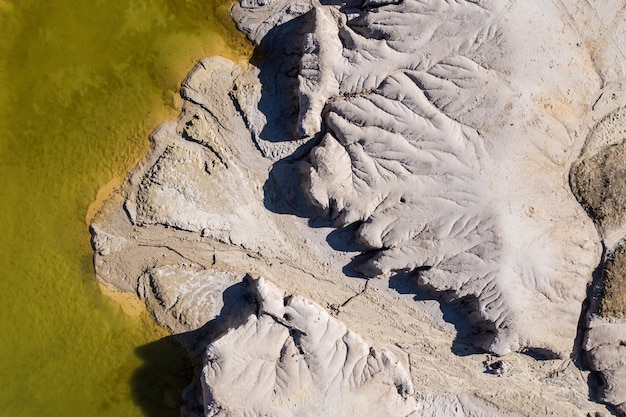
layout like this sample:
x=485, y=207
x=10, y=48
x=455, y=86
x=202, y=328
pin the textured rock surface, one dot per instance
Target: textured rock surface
x=292, y=358
x=448, y=374
x=613, y=303
x=185, y=297
x=451, y=151
x=599, y=177
x=598, y=181
x=436, y=138
x=606, y=346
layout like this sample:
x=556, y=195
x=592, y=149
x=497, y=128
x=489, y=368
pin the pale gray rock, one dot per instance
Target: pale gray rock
x=292, y=358
x=316, y=80
x=438, y=136
x=105, y=243
x=231, y=96
x=258, y=17
x=450, y=406
x=185, y=297
x=183, y=184
x=299, y=259
x=425, y=146
x=194, y=180
x=605, y=342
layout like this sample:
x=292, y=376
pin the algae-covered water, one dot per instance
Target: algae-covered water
x=82, y=83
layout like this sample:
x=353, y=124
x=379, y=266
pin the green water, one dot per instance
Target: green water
x=82, y=83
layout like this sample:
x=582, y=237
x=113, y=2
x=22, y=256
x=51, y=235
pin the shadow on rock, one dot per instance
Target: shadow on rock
x=278, y=59
x=469, y=334
x=167, y=383
x=283, y=192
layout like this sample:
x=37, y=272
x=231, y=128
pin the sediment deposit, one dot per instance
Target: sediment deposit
x=398, y=176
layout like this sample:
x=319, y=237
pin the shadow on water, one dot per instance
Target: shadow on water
x=166, y=370
x=172, y=365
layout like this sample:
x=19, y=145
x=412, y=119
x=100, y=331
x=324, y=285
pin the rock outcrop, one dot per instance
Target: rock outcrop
x=427, y=147
x=605, y=343
x=291, y=358
x=598, y=179
x=383, y=157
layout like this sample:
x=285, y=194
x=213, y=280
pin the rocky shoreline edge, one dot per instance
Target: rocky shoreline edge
x=376, y=219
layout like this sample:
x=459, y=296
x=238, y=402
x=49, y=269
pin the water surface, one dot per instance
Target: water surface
x=82, y=83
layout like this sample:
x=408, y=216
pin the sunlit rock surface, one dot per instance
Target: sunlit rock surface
x=605, y=343
x=449, y=148
x=291, y=358
x=598, y=180
x=402, y=171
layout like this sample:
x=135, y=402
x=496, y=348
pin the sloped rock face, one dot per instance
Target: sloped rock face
x=598, y=180
x=437, y=143
x=605, y=343
x=425, y=143
x=292, y=358
x=185, y=297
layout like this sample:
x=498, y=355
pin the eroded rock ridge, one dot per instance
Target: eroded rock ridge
x=405, y=97
x=382, y=157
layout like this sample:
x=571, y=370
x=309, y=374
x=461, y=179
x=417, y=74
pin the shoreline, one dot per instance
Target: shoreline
x=530, y=257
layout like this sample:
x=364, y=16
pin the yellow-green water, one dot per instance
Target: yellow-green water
x=82, y=83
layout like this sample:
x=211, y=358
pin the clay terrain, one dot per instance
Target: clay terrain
x=397, y=208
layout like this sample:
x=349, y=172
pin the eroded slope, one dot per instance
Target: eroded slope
x=450, y=149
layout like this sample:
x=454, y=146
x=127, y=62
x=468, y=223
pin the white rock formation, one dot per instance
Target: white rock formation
x=437, y=136
x=292, y=358
x=605, y=342
x=185, y=297
x=450, y=148
x=598, y=179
